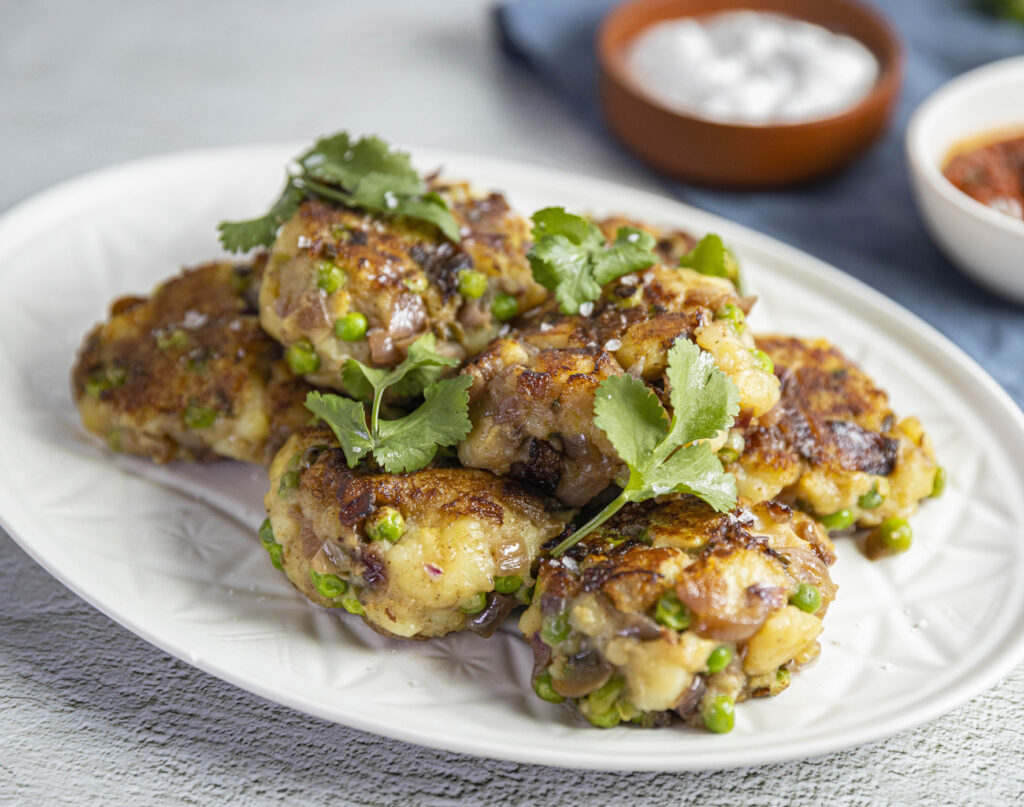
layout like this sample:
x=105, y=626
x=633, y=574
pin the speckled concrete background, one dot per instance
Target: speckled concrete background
x=89, y=713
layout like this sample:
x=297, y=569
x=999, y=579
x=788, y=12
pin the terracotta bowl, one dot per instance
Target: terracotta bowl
x=738, y=155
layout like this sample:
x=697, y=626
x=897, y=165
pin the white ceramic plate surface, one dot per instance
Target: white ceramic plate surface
x=171, y=553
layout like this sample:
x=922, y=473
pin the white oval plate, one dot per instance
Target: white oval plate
x=171, y=553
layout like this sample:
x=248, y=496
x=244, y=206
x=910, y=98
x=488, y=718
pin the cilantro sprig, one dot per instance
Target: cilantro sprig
x=366, y=173
x=407, y=443
x=571, y=257
x=666, y=455
x=712, y=257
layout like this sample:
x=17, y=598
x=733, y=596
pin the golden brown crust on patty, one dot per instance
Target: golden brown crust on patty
x=532, y=399
x=400, y=274
x=532, y=415
x=832, y=438
x=639, y=316
x=461, y=529
x=596, y=619
x=188, y=374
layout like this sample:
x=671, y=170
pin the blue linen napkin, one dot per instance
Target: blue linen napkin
x=862, y=220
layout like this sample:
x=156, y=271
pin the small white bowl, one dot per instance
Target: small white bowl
x=986, y=244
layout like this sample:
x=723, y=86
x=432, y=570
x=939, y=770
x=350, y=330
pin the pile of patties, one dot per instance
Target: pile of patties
x=464, y=413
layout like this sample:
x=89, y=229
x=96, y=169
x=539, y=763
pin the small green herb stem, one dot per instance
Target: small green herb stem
x=610, y=510
x=326, y=191
x=378, y=395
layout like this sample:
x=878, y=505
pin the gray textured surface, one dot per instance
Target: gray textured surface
x=89, y=713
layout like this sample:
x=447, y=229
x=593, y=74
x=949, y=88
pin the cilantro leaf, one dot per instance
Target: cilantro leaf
x=667, y=456
x=632, y=417
x=571, y=258
x=430, y=207
x=366, y=167
x=703, y=398
x=632, y=251
x=693, y=469
x=347, y=420
x=241, y=236
x=564, y=268
x=557, y=221
x=365, y=173
x=421, y=367
x=410, y=442
x=712, y=257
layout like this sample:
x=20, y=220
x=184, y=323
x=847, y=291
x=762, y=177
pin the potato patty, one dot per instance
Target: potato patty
x=417, y=554
x=346, y=284
x=833, y=442
x=532, y=412
x=640, y=315
x=532, y=399
x=187, y=373
x=671, y=608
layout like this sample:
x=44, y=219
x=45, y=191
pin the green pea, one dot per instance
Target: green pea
x=732, y=314
x=95, y=385
x=671, y=612
x=782, y=676
x=476, y=604
x=525, y=595
x=386, y=524
x=103, y=379
x=719, y=713
x=289, y=481
x=329, y=276
x=504, y=307
x=276, y=556
x=417, y=284
x=555, y=628
x=328, y=585
x=199, y=417
x=891, y=537
x=939, y=485
x=603, y=699
x=353, y=606
x=267, y=534
x=545, y=691
x=871, y=499
x=176, y=338
x=727, y=455
x=719, y=659
x=270, y=544
x=351, y=327
x=839, y=520
x=302, y=358
x=605, y=720
x=763, y=360
x=807, y=598
x=508, y=585
x=472, y=284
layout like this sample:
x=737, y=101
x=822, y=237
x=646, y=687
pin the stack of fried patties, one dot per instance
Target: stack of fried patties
x=463, y=414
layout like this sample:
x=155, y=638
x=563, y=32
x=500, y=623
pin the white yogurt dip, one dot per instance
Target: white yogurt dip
x=751, y=67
